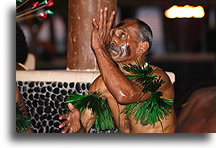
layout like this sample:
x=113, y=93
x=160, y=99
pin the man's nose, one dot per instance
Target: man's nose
x=115, y=40
x=113, y=43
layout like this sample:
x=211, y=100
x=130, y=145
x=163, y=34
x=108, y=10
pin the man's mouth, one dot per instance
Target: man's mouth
x=114, y=48
x=118, y=51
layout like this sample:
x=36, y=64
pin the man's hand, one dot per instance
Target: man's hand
x=72, y=123
x=100, y=36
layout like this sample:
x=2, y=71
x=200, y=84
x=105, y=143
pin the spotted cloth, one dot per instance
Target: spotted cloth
x=45, y=102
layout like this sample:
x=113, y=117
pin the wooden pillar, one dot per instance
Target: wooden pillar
x=80, y=13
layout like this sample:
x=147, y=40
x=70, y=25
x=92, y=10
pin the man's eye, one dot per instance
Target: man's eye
x=122, y=35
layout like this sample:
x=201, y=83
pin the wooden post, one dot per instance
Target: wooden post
x=80, y=13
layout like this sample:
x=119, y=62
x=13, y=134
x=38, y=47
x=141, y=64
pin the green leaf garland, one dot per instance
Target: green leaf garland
x=155, y=108
x=97, y=104
x=23, y=122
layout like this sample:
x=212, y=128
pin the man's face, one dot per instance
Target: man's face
x=124, y=41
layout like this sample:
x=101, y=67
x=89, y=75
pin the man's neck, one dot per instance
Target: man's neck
x=140, y=61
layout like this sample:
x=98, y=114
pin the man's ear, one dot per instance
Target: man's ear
x=143, y=47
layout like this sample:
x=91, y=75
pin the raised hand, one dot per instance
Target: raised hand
x=100, y=36
x=72, y=123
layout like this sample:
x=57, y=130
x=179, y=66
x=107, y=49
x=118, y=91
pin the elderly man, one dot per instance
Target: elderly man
x=114, y=48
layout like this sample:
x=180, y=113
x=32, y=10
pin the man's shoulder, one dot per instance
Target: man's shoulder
x=99, y=79
x=159, y=72
x=97, y=84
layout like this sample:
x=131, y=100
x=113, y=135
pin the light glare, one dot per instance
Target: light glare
x=185, y=12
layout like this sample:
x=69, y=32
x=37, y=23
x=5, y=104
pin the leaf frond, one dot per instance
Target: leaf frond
x=155, y=108
x=97, y=104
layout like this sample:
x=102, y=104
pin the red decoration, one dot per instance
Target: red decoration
x=43, y=15
x=50, y=3
x=34, y=5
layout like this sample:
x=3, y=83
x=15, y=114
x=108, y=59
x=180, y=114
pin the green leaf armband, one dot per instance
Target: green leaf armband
x=98, y=105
